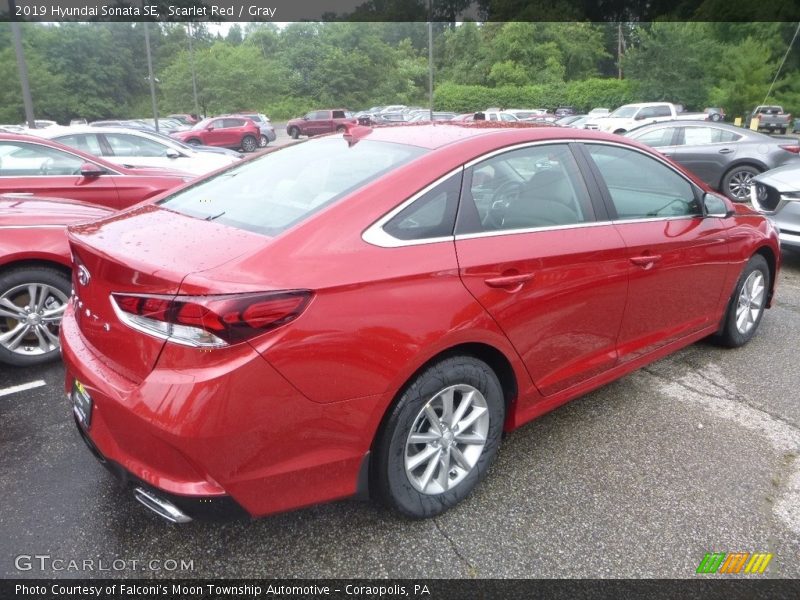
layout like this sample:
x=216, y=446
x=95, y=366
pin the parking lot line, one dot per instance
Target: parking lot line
x=22, y=387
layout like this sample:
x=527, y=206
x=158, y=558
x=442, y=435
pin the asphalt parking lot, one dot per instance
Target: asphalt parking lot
x=699, y=452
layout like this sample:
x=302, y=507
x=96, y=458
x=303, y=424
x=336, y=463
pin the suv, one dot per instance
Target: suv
x=264, y=125
x=321, y=121
x=227, y=132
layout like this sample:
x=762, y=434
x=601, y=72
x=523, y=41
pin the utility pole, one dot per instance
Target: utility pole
x=194, y=76
x=150, y=74
x=22, y=66
x=430, y=59
x=620, y=44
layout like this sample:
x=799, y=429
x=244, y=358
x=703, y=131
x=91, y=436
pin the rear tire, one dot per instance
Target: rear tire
x=783, y=131
x=249, y=143
x=439, y=438
x=746, y=306
x=716, y=117
x=736, y=182
x=32, y=303
x=263, y=141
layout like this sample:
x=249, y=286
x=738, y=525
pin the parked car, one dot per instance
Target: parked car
x=525, y=113
x=32, y=165
x=226, y=132
x=715, y=113
x=127, y=123
x=776, y=193
x=132, y=148
x=437, y=116
x=569, y=119
x=264, y=124
x=565, y=111
x=599, y=112
x=725, y=157
x=321, y=121
x=35, y=268
x=165, y=125
x=771, y=118
x=12, y=129
x=630, y=116
x=488, y=115
x=78, y=122
x=338, y=316
x=185, y=118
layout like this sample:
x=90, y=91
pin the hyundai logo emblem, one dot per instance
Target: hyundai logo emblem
x=83, y=275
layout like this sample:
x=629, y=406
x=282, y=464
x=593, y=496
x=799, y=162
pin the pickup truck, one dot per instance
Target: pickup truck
x=770, y=118
x=320, y=121
x=630, y=116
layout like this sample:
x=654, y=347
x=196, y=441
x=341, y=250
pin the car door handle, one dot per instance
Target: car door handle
x=726, y=151
x=509, y=281
x=646, y=261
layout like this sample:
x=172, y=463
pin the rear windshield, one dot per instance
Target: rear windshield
x=268, y=195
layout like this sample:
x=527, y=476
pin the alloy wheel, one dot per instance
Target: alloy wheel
x=30, y=315
x=751, y=302
x=447, y=439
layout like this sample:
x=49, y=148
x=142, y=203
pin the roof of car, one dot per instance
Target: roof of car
x=442, y=133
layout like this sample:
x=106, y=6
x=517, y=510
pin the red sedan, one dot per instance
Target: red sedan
x=35, y=274
x=35, y=166
x=370, y=312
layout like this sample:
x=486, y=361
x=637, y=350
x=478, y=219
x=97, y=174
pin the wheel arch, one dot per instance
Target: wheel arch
x=772, y=264
x=487, y=353
x=39, y=262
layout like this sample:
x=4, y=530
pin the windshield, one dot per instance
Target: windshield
x=624, y=112
x=269, y=194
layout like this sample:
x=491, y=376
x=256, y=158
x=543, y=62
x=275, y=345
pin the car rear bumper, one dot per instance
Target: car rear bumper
x=230, y=427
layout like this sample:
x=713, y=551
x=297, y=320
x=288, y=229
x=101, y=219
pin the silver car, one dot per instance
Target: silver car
x=777, y=193
x=725, y=157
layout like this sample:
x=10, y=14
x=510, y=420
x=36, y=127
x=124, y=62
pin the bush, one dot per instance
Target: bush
x=583, y=95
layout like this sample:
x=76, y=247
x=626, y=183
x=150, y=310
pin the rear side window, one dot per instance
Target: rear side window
x=269, y=194
x=642, y=187
x=87, y=142
x=432, y=215
x=693, y=136
x=338, y=114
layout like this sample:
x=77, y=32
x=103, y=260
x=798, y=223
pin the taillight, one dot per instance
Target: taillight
x=218, y=320
x=795, y=149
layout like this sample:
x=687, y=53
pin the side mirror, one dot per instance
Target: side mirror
x=639, y=117
x=210, y=128
x=716, y=206
x=305, y=118
x=91, y=170
x=172, y=153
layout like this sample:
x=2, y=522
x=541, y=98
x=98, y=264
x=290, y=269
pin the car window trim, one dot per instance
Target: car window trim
x=375, y=235
x=37, y=143
x=606, y=194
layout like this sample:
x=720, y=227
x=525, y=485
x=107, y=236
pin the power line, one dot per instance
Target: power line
x=769, y=91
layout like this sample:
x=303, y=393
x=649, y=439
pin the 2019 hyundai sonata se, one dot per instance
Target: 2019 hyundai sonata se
x=370, y=311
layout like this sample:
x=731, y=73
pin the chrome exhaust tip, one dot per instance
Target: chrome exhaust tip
x=163, y=508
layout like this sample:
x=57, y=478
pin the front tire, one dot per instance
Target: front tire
x=193, y=142
x=32, y=303
x=439, y=438
x=736, y=182
x=746, y=306
x=294, y=133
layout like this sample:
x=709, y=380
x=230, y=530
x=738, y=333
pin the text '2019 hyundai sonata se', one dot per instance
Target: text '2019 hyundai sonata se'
x=370, y=311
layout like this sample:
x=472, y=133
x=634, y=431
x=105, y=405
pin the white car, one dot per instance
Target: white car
x=135, y=148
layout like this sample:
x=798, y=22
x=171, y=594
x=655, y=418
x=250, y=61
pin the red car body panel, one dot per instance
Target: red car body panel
x=118, y=188
x=286, y=419
x=34, y=229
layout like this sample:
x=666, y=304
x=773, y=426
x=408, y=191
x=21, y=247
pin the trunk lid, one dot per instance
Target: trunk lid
x=148, y=250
